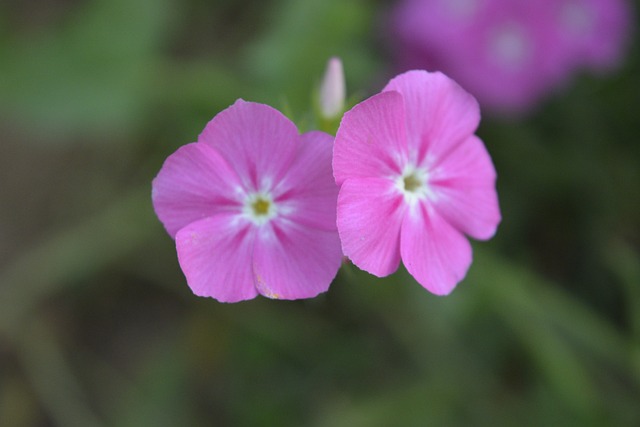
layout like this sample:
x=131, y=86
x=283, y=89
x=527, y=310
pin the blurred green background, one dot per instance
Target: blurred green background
x=97, y=324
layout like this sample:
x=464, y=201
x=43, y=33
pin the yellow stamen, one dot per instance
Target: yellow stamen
x=261, y=206
x=411, y=183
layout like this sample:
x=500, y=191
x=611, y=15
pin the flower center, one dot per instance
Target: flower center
x=576, y=18
x=259, y=208
x=462, y=8
x=413, y=184
x=509, y=46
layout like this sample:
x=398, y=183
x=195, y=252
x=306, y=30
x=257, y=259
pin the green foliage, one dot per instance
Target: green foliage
x=291, y=56
x=98, y=327
x=96, y=72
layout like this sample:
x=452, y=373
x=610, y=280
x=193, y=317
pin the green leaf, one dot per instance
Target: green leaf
x=97, y=73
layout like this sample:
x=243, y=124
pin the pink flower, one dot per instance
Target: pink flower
x=251, y=206
x=414, y=179
x=502, y=51
x=509, y=53
x=597, y=31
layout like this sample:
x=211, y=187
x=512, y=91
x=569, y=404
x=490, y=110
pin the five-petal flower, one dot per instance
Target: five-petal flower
x=414, y=179
x=251, y=206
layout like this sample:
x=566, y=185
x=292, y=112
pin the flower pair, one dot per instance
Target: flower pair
x=256, y=208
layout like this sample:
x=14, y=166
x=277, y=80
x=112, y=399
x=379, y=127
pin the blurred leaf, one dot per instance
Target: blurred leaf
x=96, y=74
x=290, y=58
x=158, y=395
x=78, y=252
x=52, y=377
x=625, y=263
x=193, y=92
x=17, y=406
x=552, y=326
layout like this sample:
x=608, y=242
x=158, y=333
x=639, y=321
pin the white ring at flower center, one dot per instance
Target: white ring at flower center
x=509, y=46
x=413, y=184
x=577, y=18
x=259, y=208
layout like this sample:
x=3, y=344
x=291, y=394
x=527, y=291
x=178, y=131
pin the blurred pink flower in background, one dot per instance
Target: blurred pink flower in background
x=596, y=31
x=414, y=181
x=510, y=53
x=251, y=206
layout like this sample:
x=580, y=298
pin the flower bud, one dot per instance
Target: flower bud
x=332, y=90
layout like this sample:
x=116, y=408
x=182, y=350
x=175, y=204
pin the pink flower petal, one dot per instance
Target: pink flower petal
x=215, y=256
x=371, y=140
x=370, y=212
x=308, y=194
x=194, y=183
x=257, y=141
x=465, y=186
x=509, y=57
x=291, y=261
x=439, y=113
x=435, y=254
x=596, y=31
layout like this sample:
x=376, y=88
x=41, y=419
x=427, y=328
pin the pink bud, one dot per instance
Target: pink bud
x=332, y=89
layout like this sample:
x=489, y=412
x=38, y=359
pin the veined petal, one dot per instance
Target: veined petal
x=195, y=182
x=215, y=256
x=371, y=140
x=440, y=114
x=370, y=214
x=292, y=261
x=464, y=184
x=257, y=141
x=308, y=193
x=435, y=254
